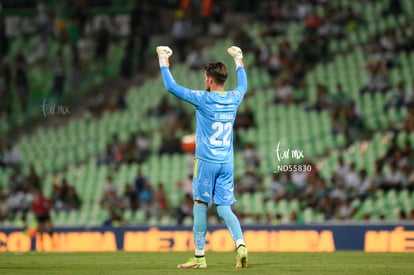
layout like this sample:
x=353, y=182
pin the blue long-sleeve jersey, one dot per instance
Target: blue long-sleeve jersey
x=215, y=115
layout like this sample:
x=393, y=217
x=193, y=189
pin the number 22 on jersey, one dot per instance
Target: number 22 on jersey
x=222, y=129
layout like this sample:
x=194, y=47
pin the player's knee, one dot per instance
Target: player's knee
x=224, y=211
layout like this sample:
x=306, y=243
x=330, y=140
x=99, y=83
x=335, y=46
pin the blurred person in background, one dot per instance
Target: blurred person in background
x=41, y=207
x=21, y=82
x=103, y=42
x=185, y=208
x=129, y=198
x=59, y=76
x=182, y=32
x=72, y=200
x=160, y=200
x=147, y=200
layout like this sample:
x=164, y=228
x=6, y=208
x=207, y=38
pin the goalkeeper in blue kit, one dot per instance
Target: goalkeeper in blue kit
x=213, y=177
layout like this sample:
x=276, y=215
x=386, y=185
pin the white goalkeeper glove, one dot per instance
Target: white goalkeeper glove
x=164, y=52
x=237, y=55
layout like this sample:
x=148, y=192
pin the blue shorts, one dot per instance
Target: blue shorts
x=213, y=182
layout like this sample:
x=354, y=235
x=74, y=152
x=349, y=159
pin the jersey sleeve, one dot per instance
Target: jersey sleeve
x=194, y=97
x=241, y=81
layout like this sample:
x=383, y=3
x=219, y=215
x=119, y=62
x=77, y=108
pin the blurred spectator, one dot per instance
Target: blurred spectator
x=245, y=118
x=85, y=53
x=160, y=200
x=103, y=40
x=377, y=176
x=323, y=101
x=141, y=26
x=312, y=22
x=107, y=157
x=4, y=41
x=401, y=215
x=58, y=68
x=396, y=97
x=64, y=186
x=56, y=198
x=169, y=144
x=130, y=200
x=127, y=62
x=41, y=207
x=4, y=209
x=146, y=200
x=109, y=187
x=15, y=202
x=186, y=185
x=377, y=78
x=304, y=8
x=251, y=156
x=366, y=187
x=393, y=179
x=11, y=156
x=408, y=122
x=251, y=182
x=33, y=178
x=120, y=99
x=216, y=26
x=409, y=97
x=393, y=8
x=16, y=179
x=115, y=146
x=284, y=92
x=185, y=209
x=110, y=200
x=315, y=191
x=72, y=200
x=182, y=32
x=339, y=98
x=114, y=219
x=143, y=144
x=139, y=183
x=344, y=210
x=206, y=7
x=39, y=56
x=274, y=190
x=341, y=170
x=43, y=20
x=21, y=82
x=74, y=30
x=338, y=192
x=355, y=126
x=161, y=108
x=352, y=181
x=300, y=179
x=196, y=58
x=5, y=90
x=411, y=215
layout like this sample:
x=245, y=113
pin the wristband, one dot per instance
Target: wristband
x=239, y=62
x=164, y=62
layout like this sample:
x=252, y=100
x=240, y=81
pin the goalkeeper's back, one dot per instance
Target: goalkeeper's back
x=215, y=115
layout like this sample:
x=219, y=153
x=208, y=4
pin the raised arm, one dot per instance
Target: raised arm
x=237, y=55
x=191, y=96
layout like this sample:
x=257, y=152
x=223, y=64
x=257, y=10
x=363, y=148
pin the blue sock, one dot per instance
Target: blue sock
x=231, y=220
x=200, y=228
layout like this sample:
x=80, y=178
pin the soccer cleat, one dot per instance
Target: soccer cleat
x=194, y=263
x=241, y=258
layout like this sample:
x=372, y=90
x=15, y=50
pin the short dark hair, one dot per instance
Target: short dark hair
x=217, y=71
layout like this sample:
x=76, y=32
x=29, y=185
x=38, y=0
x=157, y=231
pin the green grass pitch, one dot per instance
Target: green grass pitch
x=218, y=263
